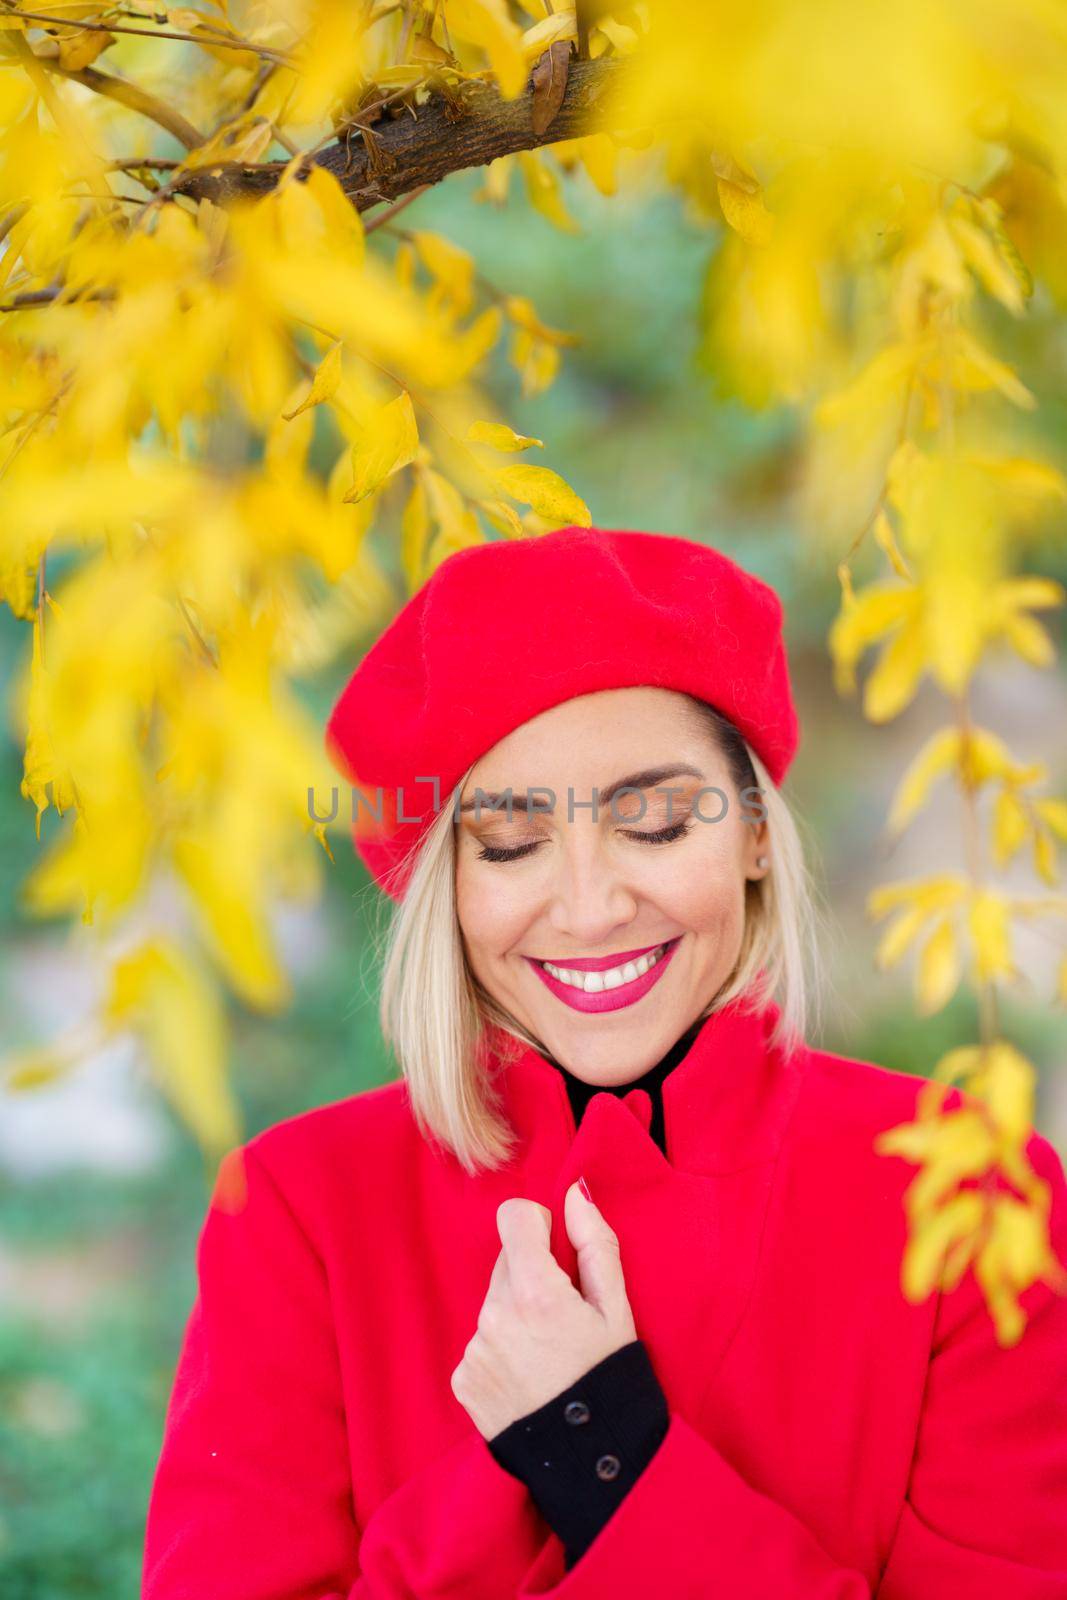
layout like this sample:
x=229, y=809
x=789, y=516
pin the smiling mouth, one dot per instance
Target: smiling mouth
x=600, y=979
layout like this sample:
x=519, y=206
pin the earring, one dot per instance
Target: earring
x=761, y=861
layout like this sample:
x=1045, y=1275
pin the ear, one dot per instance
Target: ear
x=756, y=848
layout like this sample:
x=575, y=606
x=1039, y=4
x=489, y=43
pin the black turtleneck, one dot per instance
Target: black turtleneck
x=580, y=1092
x=583, y=1450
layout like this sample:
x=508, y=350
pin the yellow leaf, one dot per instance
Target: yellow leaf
x=970, y=366
x=953, y=621
x=1028, y=639
x=724, y=165
x=885, y=539
x=1006, y=1083
x=935, y=894
x=941, y=1232
x=984, y=756
x=988, y=920
x=897, y=938
x=451, y=267
x=958, y=1063
x=400, y=74
x=325, y=383
x=1030, y=591
x=389, y=441
x=29, y=1069
x=934, y=260
x=546, y=492
x=173, y=1006
x=522, y=312
x=874, y=612
x=486, y=23
x=82, y=49
x=961, y=1146
x=745, y=212
x=41, y=770
x=1016, y=1254
x=234, y=917
x=557, y=25
x=500, y=436
x=1029, y=483
x=982, y=255
x=466, y=350
x=1045, y=860
x=544, y=191
x=599, y=155
x=496, y=181
x=536, y=362
x=938, y=972
x=994, y=216
x=504, y=517
x=457, y=525
x=894, y=680
x=949, y=1147
x=18, y=583
x=331, y=59
x=1011, y=827
x=1054, y=812
x=937, y=755
x=344, y=225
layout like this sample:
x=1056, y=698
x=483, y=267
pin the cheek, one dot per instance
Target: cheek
x=491, y=916
x=704, y=888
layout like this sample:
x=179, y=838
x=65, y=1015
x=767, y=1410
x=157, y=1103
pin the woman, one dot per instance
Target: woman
x=602, y=1297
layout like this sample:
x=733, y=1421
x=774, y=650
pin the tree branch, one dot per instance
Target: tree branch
x=447, y=134
x=133, y=98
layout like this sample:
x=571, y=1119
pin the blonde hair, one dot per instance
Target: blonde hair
x=434, y=1011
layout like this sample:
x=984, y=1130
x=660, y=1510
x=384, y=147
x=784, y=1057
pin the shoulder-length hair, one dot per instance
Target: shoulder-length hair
x=434, y=1012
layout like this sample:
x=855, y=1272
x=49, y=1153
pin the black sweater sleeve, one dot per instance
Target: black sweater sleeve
x=582, y=1451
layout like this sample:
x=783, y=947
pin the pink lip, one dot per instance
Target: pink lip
x=627, y=994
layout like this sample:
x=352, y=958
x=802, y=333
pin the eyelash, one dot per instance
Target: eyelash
x=667, y=835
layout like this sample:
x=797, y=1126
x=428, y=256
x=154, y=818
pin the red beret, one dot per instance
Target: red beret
x=502, y=631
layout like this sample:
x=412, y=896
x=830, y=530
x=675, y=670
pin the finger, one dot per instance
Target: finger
x=599, y=1260
x=526, y=1219
x=525, y=1229
x=498, y=1278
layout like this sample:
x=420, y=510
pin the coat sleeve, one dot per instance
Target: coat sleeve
x=252, y=1495
x=986, y=1510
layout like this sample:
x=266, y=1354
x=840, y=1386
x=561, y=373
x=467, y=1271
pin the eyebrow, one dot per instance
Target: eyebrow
x=648, y=778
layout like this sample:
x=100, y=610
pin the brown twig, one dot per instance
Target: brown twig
x=390, y=211
x=225, y=41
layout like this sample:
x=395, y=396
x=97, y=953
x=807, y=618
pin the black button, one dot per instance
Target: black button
x=576, y=1411
x=608, y=1467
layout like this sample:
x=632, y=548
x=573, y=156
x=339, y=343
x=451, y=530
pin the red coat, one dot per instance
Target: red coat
x=828, y=1440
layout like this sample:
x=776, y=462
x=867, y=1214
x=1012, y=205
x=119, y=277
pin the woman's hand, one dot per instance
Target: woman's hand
x=537, y=1333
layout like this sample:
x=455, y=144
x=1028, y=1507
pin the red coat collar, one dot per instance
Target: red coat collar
x=689, y=1222
x=726, y=1104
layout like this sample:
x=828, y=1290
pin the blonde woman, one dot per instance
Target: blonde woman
x=602, y=1296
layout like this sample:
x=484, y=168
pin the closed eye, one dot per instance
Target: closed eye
x=676, y=830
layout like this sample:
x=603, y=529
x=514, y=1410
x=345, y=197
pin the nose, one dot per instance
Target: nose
x=590, y=898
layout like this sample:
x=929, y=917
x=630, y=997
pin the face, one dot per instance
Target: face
x=638, y=911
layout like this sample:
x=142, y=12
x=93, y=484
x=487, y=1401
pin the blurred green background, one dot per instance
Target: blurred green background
x=102, y=1191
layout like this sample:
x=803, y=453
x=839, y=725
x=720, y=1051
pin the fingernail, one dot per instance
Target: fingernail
x=584, y=1187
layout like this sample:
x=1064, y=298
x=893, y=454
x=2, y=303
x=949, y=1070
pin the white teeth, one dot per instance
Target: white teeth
x=594, y=982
